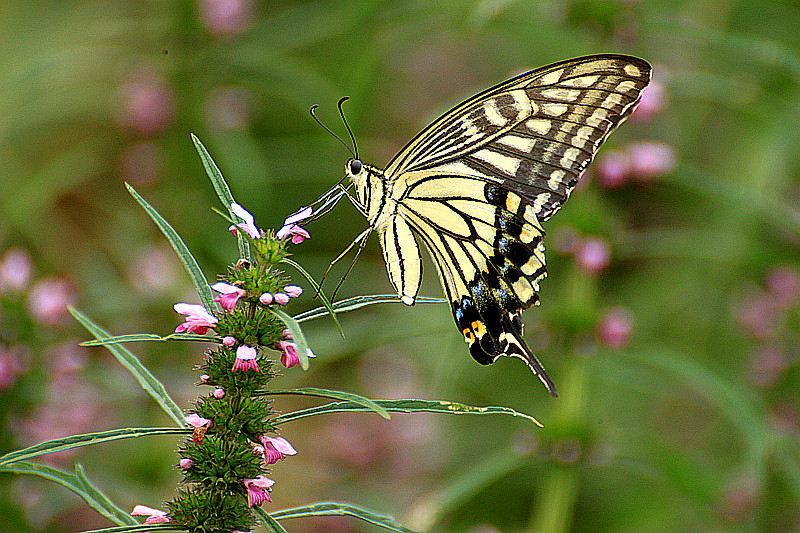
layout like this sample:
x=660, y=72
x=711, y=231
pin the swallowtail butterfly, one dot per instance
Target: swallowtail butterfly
x=476, y=184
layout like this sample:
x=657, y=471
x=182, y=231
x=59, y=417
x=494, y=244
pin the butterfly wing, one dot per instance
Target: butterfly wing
x=475, y=185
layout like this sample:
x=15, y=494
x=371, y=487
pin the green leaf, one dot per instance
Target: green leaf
x=189, y=262
x=404, y=406
x=138, y=337
x=341, y=509
x=337, y=395
x=269, y=523
x=357, y=302
x=126, y=358
x=77, y=483
x=297, y=335
x=76, y=441
x=326, y=304
x=223, y=191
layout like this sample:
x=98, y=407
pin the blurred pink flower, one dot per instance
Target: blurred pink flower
x=613, y=169
x=276, y=449
x=229, y=341
x=156, y=270
x=198, y=320
x=226, y=17
x=653, y=101
x=783, y=284
x=245, y=359
x=147, y=102
x=186, y=463
x=615, y=328
x=758, y=314
x=228, y=108
x=154, y=516
x=593, y=255
x=219, y=393
x=15, y=270
x=229, y=295
x=651, y=159
x=249, y=224
x=258, y=490
x=14, y=360
x=48, y=300
x=767, y=365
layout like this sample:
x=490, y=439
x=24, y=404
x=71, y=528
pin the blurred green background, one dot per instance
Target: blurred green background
x=669, y=320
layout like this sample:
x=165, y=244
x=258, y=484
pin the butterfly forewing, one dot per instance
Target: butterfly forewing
x=475, y=185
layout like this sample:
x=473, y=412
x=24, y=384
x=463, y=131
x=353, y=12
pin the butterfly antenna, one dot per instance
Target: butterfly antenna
x=326, y=128
x=346, y=125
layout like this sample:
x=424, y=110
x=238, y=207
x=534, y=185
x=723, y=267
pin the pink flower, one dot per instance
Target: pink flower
x=245, y=359
x=199, y=424
x=290, y=357
x=281, y=298
x=258, y=490
x=249, y=224
x=613, y=169
x=229, y=341
x=275, y=449
x=293, y=291
x=298, y=234
x=266, y=298
x=219, y=393
x=197, y=421
x=226, y=17
x=230, y=294
x=198, y=320
x=290, y=228
x=185, y=463
x=154, y=516
x=654, y=100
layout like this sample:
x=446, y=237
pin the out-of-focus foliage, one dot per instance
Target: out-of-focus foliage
x=669, y=319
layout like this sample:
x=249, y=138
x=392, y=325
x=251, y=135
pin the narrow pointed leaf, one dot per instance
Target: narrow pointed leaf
x=326, y=304
x=77, y=483
x=223, y=191
x=138, y=337
x=126, y=358
x=404, y=406
x=297, y=335
x=269, y=523
x=333, y=394
x=341, y=509
x=76, y=441
x=357, y=302
x=189, y=262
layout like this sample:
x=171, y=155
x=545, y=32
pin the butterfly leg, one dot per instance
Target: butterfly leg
x=361, y=240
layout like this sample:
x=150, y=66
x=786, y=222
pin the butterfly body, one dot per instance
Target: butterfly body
x=475, y=185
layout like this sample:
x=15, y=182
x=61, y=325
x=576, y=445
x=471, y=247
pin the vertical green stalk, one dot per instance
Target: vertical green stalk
x=554, y=511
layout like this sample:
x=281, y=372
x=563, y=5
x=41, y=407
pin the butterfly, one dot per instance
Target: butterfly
x=476, y=184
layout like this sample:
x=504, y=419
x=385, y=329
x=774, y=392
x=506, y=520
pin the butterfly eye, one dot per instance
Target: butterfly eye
x=355, y=166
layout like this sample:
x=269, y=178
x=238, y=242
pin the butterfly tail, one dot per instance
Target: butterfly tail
x=517, y=347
